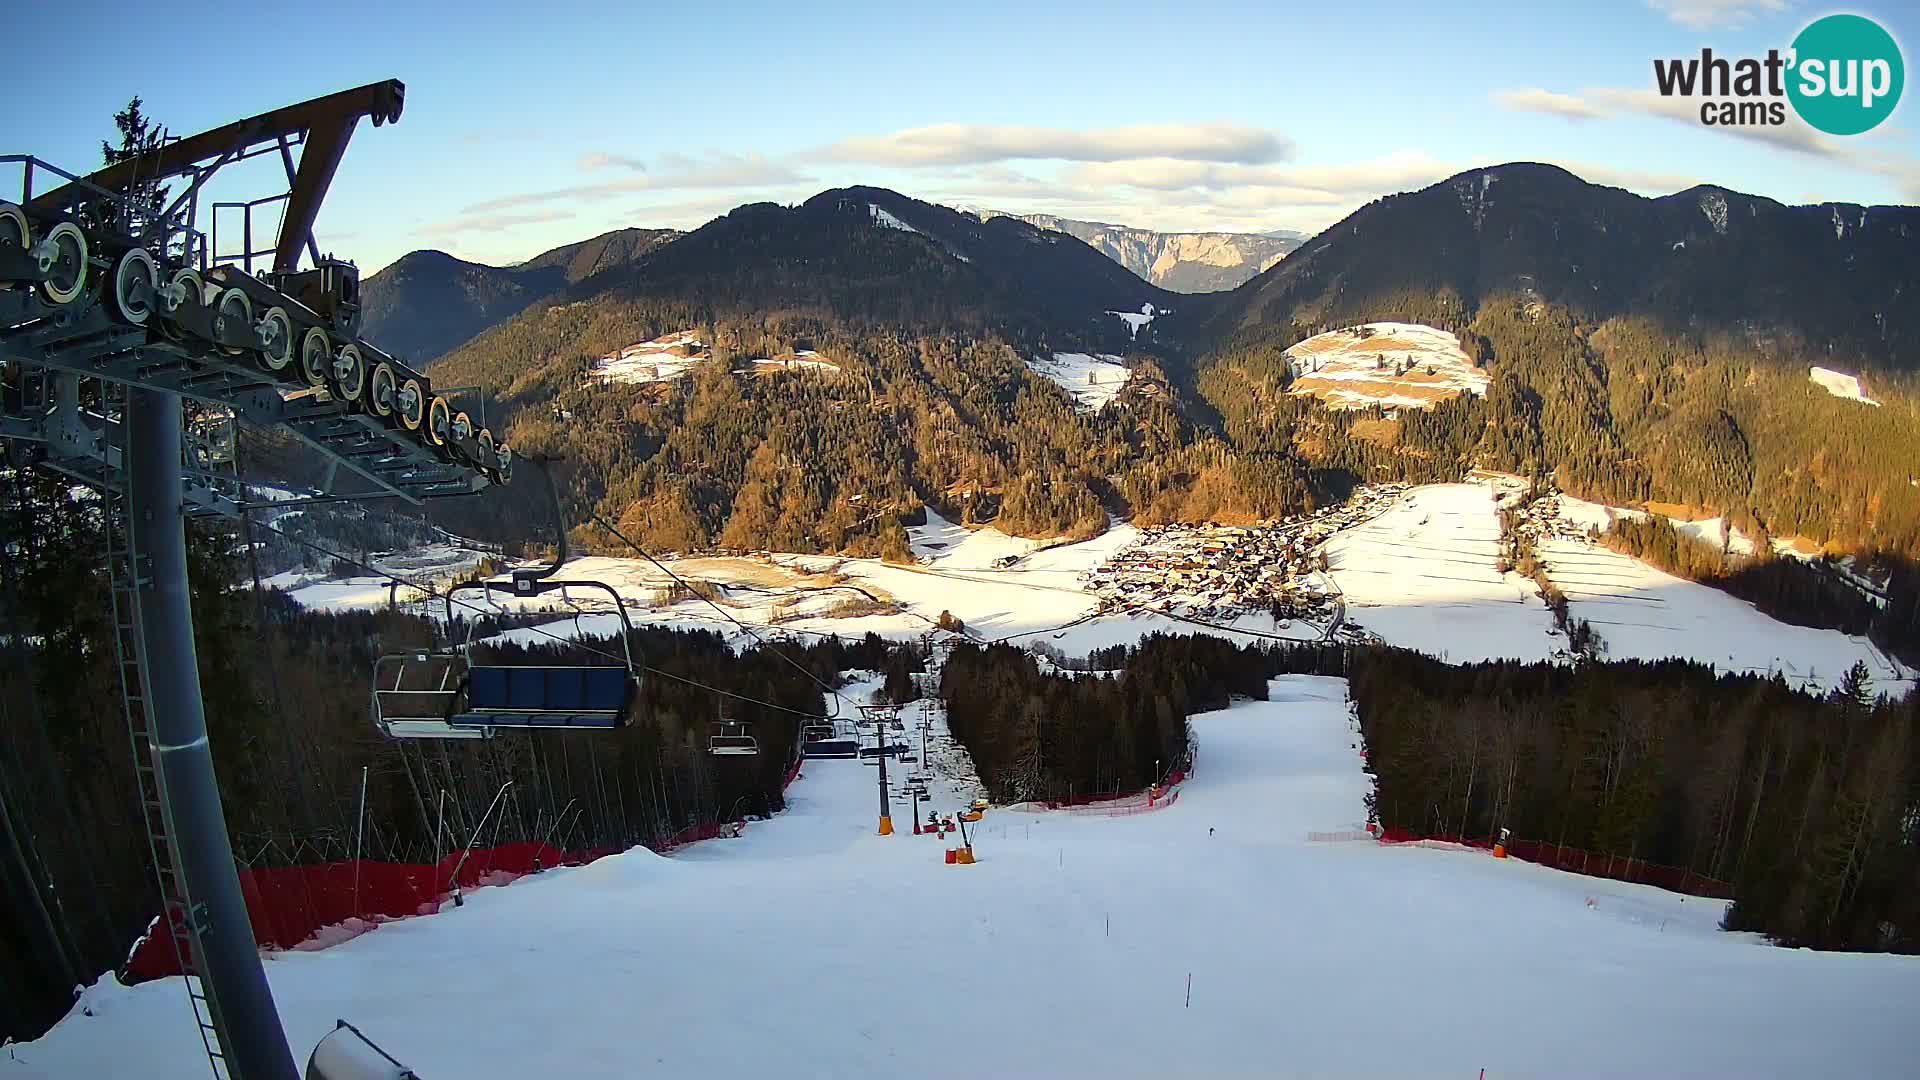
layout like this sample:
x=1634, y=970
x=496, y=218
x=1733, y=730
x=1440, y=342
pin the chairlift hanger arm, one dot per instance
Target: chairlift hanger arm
x=537, y=588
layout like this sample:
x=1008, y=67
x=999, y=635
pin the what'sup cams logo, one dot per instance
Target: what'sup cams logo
x=1842, y=75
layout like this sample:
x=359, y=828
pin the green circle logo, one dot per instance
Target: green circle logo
x=1847, y=74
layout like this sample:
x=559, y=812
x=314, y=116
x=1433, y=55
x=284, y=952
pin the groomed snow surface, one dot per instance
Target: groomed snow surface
x=1092, y=380
x=812, y=947
x=1355, y=367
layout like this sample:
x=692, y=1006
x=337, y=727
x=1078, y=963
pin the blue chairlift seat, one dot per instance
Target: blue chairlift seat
x=546, y=697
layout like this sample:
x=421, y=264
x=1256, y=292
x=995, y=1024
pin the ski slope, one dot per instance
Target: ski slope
x=812, y=947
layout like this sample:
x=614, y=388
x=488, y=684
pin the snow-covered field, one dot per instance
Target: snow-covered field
x=1396, y=365
x=1641, y=613
x=1840, y=384
x=1092, y=380
x=1423, y=576
x=812, y=947
x=1715, y=532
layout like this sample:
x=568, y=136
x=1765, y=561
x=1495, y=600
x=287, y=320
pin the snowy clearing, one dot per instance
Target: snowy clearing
x=798, y=360
x=1067, y=949
x=1644, y=614
x=1395, y=365
x=1093, y=381
x=1840, y=385
x=664, y=359
x=1715, y=532
x=886, y=220
x=1423, y=576
x=1137, y=319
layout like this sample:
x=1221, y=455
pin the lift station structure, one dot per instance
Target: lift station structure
x=131, y=345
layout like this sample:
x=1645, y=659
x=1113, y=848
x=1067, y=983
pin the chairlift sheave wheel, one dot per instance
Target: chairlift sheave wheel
x=316, y=353
x=183, y=293
x=232, y=310
x=275, y=330
x=462, y=431
x=410, y=405
x=439, y=422
x=348, y=376
x=503, y=467
x=382, y=390
x=136, y=284
x=66, y=247
x=14, y=230
x=484, y=457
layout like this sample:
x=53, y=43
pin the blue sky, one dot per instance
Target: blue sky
x=531, y=125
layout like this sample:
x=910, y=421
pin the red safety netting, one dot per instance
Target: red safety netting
x=1118, y=804
x=288, y=905
x=1580, y=861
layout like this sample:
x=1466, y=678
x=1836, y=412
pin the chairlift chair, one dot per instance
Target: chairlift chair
x=730, y=738
x=447, y=695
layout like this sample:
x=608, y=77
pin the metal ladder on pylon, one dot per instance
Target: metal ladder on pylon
x=182, y=917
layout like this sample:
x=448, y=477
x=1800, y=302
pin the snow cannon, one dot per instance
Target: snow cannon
x=346, y=1054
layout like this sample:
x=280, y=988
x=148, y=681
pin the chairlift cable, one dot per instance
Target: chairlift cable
x=622, y=537
x=434, y=594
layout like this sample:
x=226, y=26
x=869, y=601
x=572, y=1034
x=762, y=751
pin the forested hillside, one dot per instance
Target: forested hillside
x=931, y=402
x=427, y=302
x=1640, y=350
x=1810, y=807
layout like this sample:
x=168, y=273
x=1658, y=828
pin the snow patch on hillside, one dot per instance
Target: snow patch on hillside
x=1093, y=380
x=798, y=360
x=662, y=360
x=886, y=220
x=1394, y=365
x=1137, y=319
x=1840, y=385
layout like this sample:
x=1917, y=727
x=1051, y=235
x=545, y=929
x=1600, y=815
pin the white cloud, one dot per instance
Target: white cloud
x=968, y=144
x=490, y=223
x=670, y=172
x=1537, y=100
x=1296, y=184
x=1795, y=135
x=1708, y=14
